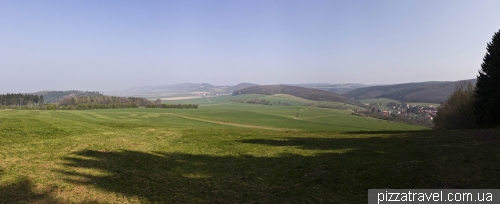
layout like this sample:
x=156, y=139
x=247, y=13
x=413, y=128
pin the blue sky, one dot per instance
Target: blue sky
x=110, y=45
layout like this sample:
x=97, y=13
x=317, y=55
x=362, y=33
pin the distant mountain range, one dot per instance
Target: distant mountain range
x=430, y=92
x=184, y=87
x=336, y=88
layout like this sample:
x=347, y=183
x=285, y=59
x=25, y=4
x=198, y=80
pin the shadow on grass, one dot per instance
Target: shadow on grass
x=410, y=160
x=389, y=132
x=186, y=178
x=366, y=142
x=22, y=192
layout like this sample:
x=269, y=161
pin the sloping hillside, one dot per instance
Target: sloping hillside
x=311, y=94
x=428, y=92
x=336, y=88
x=242, y=86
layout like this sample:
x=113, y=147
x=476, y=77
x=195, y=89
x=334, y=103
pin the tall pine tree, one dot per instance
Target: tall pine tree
x=487, y=92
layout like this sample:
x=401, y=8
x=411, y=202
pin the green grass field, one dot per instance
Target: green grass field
x=230, y=153
x=282, y=98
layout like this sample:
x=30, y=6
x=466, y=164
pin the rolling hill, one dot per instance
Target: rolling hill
x=242, y=86
x=307, y=93
x=428, y=92
x=336, y=88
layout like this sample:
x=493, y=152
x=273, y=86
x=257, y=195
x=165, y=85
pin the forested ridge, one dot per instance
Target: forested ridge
x=429, y=92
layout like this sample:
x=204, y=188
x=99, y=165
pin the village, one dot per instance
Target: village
x=407, y=110
x=402, y=112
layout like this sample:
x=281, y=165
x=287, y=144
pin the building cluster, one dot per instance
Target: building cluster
x=407, y=110
x=412, y=111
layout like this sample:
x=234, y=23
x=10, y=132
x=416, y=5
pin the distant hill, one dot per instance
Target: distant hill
x=428, y=92
x=307, y=93
x=168, y=90
x=242, y=86
x=336, y=88
x=181, y=86
x=190, y=86
x=55, y=96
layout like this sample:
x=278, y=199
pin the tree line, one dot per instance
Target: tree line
x=331, y=106
x=80, y=101
x=180, y=106
x=11, y=99
x=260, y=101
x=55, y=96
x=103, y=100
x=85, y=106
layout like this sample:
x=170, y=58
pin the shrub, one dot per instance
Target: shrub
x=51, y=107
x=458, y=111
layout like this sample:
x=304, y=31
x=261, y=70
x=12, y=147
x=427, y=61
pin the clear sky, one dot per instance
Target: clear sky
x=110, y=45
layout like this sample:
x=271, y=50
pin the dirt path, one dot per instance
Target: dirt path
x=231, y=124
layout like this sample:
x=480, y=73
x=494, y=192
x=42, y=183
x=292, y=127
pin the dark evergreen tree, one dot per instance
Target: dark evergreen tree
x=18, y=99
x=487, y=92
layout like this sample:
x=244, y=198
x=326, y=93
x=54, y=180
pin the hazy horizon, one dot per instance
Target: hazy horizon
x=157, y=85
x=116, y=45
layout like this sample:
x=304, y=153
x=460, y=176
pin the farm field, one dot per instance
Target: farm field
x=249, y=102
x=230, y=153
x=187, y=101
x=282, y=98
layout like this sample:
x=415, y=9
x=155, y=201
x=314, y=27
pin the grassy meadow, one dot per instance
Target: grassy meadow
x=231, y=153
x=187, y=101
